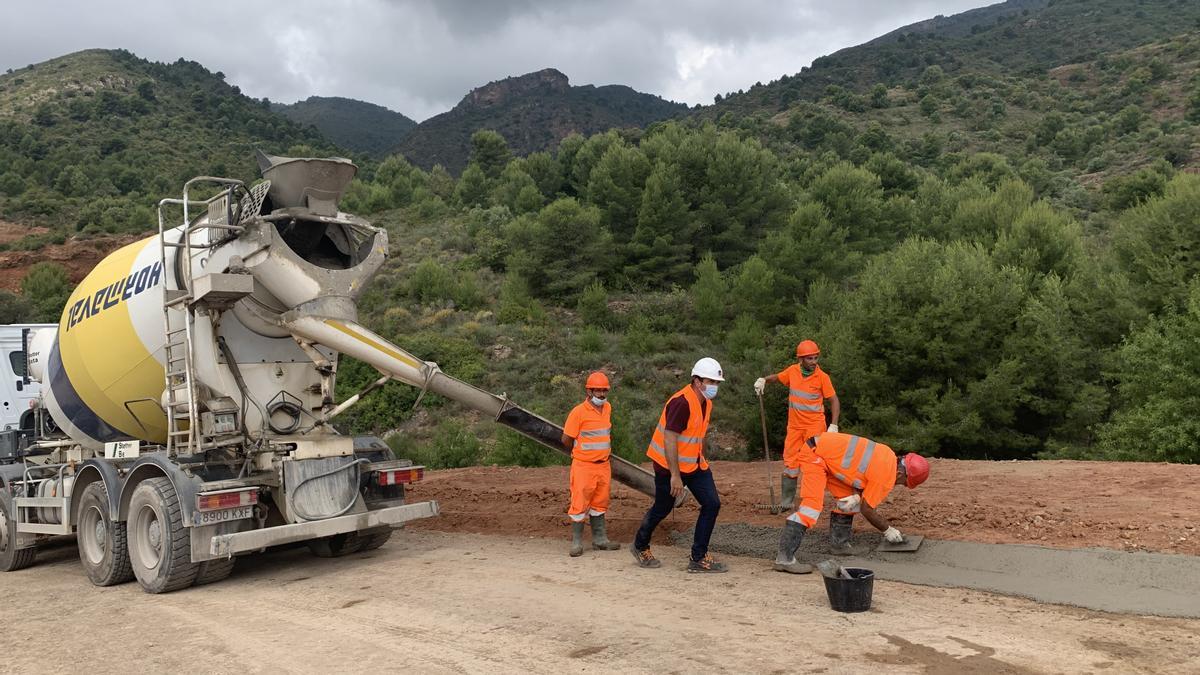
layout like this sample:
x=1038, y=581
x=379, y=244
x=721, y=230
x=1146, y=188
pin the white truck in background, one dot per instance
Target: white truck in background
x=18, y=391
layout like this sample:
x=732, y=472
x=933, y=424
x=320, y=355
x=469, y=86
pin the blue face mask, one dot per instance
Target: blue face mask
x=710, y=391
x=598, y=402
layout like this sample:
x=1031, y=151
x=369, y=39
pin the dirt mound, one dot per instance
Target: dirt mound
x=78, y=256
x=1060, y=504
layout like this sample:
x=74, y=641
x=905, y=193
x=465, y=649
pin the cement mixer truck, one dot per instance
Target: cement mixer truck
x=186, y=412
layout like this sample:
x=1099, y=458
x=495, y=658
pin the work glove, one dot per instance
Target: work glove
x=760, y=385
x=849, y=504
x=893, y=536
x=832, y=429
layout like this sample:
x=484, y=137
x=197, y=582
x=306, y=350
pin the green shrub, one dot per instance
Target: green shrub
x=1157, y=371
x=453, y=446
x=590, y=340
x=640, y=338
x=513, y=449
x=593, y=306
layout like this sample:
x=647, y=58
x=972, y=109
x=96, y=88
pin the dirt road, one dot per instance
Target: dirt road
x=435, y=602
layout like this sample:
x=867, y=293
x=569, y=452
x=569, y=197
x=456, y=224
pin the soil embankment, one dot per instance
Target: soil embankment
x=1058, y=504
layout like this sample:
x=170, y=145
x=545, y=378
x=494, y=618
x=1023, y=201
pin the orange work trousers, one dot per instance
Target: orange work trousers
x=799, y=461
x=590, y=484
x=811, y=497
x=795, y=448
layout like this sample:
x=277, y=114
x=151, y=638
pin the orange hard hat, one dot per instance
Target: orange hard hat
x=807, y=348
x=597, y=380
x=916, y=469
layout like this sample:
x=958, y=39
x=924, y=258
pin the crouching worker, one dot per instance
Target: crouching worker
x=860, y=474
x=588, y=432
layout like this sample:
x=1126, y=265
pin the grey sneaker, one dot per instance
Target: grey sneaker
x=645, y=558
x=794, y=567
x=707, y=564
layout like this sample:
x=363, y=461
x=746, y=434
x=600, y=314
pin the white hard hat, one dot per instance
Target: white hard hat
x=708, y=368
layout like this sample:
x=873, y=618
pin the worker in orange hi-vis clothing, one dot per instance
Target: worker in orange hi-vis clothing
x=808, y=389
x=588, y=433
x=860, y=474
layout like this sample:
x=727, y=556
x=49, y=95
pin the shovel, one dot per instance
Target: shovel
x=773, y=506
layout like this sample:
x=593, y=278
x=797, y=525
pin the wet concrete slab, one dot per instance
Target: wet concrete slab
x=1102, y=579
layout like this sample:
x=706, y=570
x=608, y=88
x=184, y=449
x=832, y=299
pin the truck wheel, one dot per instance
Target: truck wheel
x=373, y=539
x=11, y=558
x=211, y=571
x=336, y=546
x=103, y=549
x=159, y=545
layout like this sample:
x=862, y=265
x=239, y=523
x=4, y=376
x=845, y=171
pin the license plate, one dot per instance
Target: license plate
x=222, y=516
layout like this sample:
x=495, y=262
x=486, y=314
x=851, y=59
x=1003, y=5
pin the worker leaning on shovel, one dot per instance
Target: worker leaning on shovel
x=808, y=389
x=860, y=474
x=588, y=433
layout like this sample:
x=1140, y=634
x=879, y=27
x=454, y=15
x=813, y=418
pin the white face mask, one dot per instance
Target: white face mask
x=710, y=391
x=598, y=402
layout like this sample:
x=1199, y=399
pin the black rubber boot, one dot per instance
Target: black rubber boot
x=840, y=528
x=576, y=539
x=600, y=540
x=787, y=492
x=789, y=542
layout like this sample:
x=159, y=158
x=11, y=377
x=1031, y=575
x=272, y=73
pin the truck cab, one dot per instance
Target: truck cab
x=18, y=391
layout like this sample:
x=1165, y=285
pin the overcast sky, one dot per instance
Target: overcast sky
x=419, y=57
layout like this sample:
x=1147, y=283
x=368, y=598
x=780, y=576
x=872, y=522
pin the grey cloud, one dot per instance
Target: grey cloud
x=420, y=57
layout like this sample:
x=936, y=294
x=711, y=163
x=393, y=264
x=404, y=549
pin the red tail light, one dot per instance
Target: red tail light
x=403, y=476
x=230, y=499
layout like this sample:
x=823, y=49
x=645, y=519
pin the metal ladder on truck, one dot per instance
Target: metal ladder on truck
x=179, y=348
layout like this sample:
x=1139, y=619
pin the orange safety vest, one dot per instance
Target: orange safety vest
x=690, y=443
x=851, y=458
x=806, y=399
x=594, y=442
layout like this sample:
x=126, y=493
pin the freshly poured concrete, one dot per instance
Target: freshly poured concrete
x=1138, y=583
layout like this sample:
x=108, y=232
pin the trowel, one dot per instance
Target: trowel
x=832, y=570
x=909, y=544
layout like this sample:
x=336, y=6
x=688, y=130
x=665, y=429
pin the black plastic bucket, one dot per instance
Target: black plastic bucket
x=851, y=595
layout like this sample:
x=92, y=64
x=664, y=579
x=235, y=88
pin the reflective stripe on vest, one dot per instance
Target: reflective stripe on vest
x=806, y=407
x=689, y=444
x=595, y=444
x=682, y=439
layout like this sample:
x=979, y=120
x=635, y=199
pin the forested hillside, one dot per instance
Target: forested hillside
x=990, y=276
x=90, y=141
x=354, y=125
x=1017, y=37
x=997, y=253
x=533, y=112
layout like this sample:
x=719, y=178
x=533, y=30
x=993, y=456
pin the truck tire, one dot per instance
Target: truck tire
x=373, y=539
x=336, y=546
x=212, y=571
x=103, y=548
x=160, y=547
x=11, y=558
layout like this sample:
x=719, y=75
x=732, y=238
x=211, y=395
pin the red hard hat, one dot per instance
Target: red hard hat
x=916, y=469
x=807, y=348
x=597, y=380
